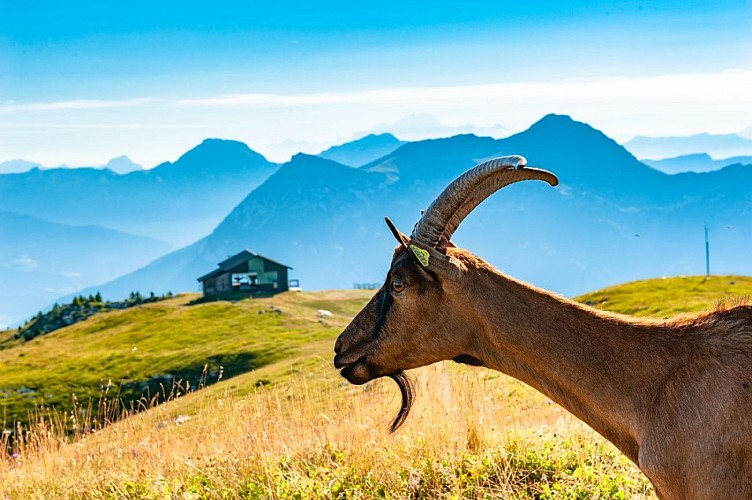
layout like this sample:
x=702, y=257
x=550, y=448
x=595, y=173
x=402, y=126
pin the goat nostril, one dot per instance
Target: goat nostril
x=337, y=346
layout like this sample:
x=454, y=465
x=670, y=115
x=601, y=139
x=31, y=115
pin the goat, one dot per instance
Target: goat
x=675, y=396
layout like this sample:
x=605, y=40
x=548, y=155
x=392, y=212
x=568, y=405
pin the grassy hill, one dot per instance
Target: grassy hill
x=142, y=351
x=291, y=427
x=665, y=297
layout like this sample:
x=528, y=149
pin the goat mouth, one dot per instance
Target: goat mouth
x=341, y=362
x=356, y=373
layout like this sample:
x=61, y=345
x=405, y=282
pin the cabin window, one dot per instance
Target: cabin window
x=244, y=280
x=267, y=278
x=256, y=266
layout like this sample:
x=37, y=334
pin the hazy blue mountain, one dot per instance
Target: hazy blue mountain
x=40, y=261
x=612, y=218
x=123, y=165
x=363, y=150
x=17, y=166
x=174, y=202
x=120, y=165
x=719, y=146
x=303, y=215
x=700, y=162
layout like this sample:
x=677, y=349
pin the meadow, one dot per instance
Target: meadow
x=292, y=427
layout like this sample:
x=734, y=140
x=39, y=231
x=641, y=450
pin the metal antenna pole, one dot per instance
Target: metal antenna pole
x=707, y=253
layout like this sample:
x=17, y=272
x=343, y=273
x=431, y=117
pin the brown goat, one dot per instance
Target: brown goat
x=674, y=396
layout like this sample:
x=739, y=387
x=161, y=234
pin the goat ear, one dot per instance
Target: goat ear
x=401, y=238
x=418, y=254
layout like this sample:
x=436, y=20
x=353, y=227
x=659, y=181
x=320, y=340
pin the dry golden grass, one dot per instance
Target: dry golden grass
x=473, y=434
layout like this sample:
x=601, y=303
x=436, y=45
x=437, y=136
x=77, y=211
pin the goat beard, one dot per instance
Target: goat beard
x=406, y=390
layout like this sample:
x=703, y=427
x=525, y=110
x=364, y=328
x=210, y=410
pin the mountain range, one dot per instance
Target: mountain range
x=17, y=166
x=700, y=162
x=716, y=145
x=120, y=165
x=143, y=214
x=174, y=202
x=612, y=219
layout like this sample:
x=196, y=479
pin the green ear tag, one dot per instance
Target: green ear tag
x=421, y=254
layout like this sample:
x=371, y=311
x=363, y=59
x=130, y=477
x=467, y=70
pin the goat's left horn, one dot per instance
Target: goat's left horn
x=444, y=215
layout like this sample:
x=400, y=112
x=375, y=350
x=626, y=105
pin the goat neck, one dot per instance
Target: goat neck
x=583, y=359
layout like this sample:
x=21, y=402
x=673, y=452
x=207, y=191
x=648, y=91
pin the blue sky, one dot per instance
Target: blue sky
x=84, y=81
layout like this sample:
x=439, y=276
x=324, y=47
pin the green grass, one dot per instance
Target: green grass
x=665, y=297
x=141, y=351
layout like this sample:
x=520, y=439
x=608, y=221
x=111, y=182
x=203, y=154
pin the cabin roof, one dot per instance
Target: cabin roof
x=236, y=259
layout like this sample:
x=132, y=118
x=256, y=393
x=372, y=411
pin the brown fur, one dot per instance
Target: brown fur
x=675, y=396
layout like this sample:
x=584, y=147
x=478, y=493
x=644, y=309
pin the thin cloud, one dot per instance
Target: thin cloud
x=726, y=85
x=114, y=126
x=80, y=104
x=675, y=104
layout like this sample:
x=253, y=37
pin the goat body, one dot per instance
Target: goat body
x=675, y=396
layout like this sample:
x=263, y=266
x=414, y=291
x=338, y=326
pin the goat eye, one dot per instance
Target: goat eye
x=398, y=285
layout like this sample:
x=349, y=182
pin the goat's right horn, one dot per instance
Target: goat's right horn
x=444, y=215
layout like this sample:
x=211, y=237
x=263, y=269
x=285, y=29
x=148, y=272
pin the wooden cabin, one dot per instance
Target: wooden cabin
x=246, y=273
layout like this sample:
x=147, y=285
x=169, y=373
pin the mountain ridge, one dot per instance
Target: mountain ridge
x=717, y=145
x=325, y=219
x=362, y=151
x=698, y=162
x=178, y=202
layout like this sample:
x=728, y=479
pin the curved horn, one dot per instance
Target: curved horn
x=437, y=225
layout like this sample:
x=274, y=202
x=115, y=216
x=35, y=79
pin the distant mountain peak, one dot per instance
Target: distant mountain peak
x=552, y=122
x=216, y=155
x=213, y=146
x=563, y=129
x=553, y=118
x=385, y=136
x=364, y=150
x=304, y=160
x=123, y=165
x=210, y=141
x=17, y=166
